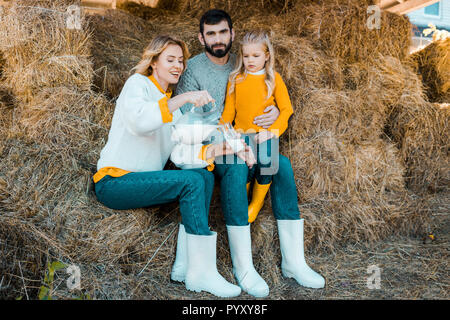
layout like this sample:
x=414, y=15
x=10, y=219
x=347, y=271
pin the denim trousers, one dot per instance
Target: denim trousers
x=193, y=189
x=233, y=173
x=267, y=157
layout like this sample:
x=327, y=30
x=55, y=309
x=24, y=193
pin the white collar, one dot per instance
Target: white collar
x=262, y=71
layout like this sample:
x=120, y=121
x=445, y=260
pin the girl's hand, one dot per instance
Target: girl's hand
x=263, y=136
x=199, y=98
x=271, y=113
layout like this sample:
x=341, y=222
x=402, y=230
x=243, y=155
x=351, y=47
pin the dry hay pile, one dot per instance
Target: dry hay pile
x=353, y=141
x=433, y=64
x=119, y=38
x=237, y=9
x=117, y=43
x=32, y=46
x=341, y=29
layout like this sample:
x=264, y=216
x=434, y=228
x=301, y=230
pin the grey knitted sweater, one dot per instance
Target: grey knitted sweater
x=203, y=74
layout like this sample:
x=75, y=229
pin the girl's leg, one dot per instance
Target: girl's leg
x=267, y=161
x=144, y=189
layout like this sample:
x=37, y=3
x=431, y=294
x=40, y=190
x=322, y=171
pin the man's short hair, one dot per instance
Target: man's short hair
x=215, y=16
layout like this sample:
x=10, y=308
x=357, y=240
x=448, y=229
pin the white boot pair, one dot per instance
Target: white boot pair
x=195, y=261
x=193, y=271
x=293, y=264
x=195, y=264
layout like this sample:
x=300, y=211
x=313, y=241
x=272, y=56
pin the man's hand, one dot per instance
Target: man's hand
x=248, y=156
x=263, y=136
x=271, y=113
x=218, y=150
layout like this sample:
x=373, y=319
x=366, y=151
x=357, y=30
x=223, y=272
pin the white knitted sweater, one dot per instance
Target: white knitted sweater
x=138, y=139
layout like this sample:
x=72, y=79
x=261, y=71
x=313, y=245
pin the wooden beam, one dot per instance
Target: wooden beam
x=411, y=5
x=386, y=4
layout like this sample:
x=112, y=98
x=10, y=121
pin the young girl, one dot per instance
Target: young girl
x=254, y=85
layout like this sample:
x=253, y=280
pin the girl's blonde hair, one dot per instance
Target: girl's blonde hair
x=251, y=38
x=153, y=51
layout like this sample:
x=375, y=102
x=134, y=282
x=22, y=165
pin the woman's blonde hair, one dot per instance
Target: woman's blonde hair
x=251, y=38
x=153, y=51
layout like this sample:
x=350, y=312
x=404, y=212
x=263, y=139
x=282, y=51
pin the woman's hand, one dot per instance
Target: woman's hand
x=198, y=98
x=271, y=113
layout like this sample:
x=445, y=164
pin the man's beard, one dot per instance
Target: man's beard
x=218, y=53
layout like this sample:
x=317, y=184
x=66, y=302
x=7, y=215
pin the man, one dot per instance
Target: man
x=209, y=71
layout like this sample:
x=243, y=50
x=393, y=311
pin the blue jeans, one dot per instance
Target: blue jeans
x=192, y=188
x=233, y=180
x=267, y=157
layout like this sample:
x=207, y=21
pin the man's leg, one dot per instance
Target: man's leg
x=283, y=192
x=290, y=228
x=233, y=179
x=233, y=194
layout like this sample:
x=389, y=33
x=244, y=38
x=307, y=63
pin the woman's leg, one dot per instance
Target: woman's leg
x=144, y=189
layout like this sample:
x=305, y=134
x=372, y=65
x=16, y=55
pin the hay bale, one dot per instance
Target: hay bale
x=326, y=166
x=236, y=9
x=422, y=132
x=118, y=40
x=67, y=120
x=24, y=251
x=433, y=64
x=120, y=36
x=40, y=51
x=333, y=221
x=354, y=116
x=340, y=29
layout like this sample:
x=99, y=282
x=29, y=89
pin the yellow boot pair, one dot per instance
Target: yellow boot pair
x=258, y=196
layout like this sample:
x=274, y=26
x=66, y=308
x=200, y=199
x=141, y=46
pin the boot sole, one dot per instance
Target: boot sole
x=197, y=289
x=177, y=278
x=290, y=275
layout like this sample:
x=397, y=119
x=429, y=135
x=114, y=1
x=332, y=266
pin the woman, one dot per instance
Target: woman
x=130, y=169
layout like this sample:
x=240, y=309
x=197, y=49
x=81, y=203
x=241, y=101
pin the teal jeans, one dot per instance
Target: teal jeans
x=192, y=188
x=233, y=173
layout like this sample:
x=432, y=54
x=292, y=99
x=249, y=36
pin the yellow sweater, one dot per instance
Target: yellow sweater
x=249, y=99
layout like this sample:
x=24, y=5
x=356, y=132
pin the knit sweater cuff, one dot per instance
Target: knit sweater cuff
x=166, y=115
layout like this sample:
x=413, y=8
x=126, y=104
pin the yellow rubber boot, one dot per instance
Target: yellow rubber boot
x=259, y=193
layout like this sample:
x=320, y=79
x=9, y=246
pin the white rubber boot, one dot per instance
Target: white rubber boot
x=293, y=264
x=241, y=255
x=179, y=266
x=201, y=273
